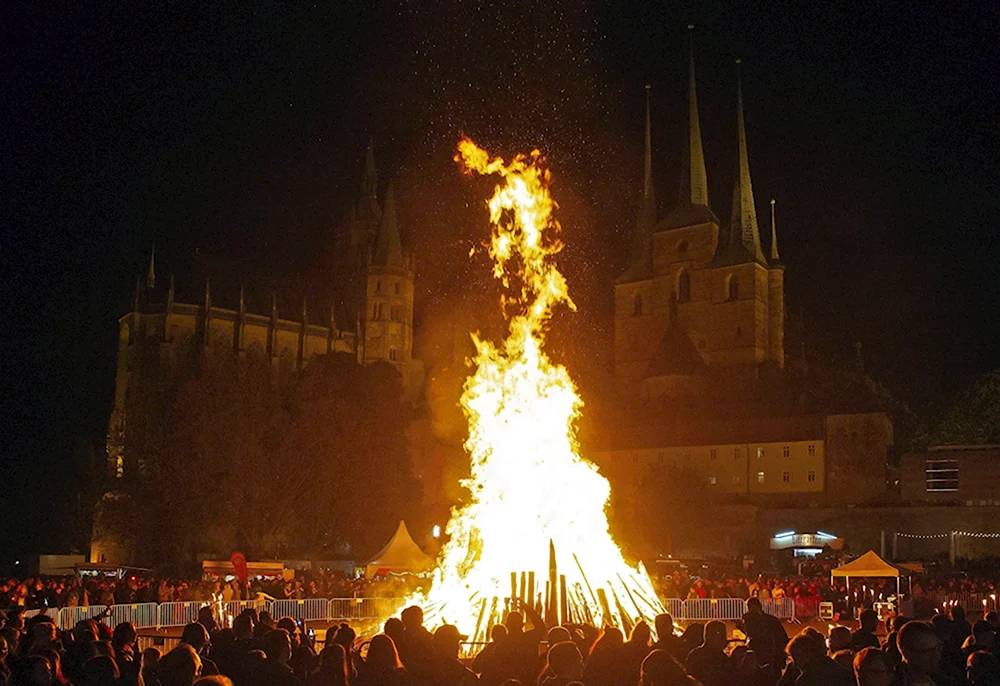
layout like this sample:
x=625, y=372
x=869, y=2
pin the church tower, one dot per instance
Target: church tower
x=387, y=320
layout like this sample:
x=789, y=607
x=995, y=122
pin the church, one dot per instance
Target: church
x=371, y=317
x=697, y=302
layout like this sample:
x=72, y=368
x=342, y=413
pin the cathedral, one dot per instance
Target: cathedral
x=696, y=302
x=371, y=317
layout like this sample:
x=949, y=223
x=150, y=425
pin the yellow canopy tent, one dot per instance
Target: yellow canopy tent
x=400, y=554
x=868, y=565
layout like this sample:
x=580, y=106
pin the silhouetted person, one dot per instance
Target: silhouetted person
x=490, y=664
x=871, y=668
x=661, y=669
x=815, y=668
x=983, y=669
x=667, y=640
x=960, y=627
x=635, y=650
x=606, y=665
x=180, y=667
x=381, y=666
x=278, y=648
x=99, y=671
x=196, y=635
x=865, y=636
x=921, y=650
x=565, y=664
x=708, y=663
x=766, y=635
x=332, y=667
x=447, y=670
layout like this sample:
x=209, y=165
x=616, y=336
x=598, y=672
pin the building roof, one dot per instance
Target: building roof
x=401, y=553
x=675, y=356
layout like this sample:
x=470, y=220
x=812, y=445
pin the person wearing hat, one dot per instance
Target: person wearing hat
x=447, y=669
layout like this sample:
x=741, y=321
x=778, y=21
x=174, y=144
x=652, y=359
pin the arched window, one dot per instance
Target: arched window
x=392, y=354
x=684, y=287
x=637, y=305
x=397, y=288
x=732, y=288
x=378, y=286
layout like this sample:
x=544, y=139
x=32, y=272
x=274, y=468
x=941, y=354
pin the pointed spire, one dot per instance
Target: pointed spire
x=369, y=186
x=151, y=271
x=208, y=296
x=694, y=184
x=743, y=230
x=774, y=237
x=305, y=312
x=388, y=249
x=642, y=236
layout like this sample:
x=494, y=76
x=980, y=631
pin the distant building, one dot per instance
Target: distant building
x=951, y=475
x=371, y=318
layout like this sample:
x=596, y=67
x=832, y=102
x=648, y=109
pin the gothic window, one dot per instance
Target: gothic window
x=378, y=286
x=637, y=305
x=786, y=451
x=398, y=288
x=732, y=288
x=377, y=311
x=392, y=354
x=684, y=287
x=811, y=476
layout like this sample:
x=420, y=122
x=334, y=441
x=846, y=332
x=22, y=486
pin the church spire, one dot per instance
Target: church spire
x=151, y=271
x=743, y=230
x=774, y=237
x=694, y=183
x=388, y=248
x=369, y=186
x=648, y=192
x=642, y=236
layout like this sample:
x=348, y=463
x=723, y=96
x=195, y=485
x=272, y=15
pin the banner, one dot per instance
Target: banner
x=239, y=561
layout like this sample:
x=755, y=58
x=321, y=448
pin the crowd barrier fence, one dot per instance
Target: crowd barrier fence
x=166, y=615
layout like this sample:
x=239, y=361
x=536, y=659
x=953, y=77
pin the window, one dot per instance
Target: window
x=811, y=476
x=392, y=354
x=711, y=454
x=736, y=453
x=786, y=477
x=739, y=331
x=941, y=476
x=396, y=313
x=377, y=311
x=659, y=457
x=684, y=287
x=760, y=453
x=398, y=288
x=732, y=288
x=635, y=459
x=786, y=451
x=760, y=477
x=812, y=450
x=637, y=306
x=712, y=480
x=378, y=286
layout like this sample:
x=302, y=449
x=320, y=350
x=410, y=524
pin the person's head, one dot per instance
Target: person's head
x=715, y=635
x=840, y=638
x=565, y=661
x=32, y=669
x=124, y=635
x=514, y=622
x=982, y=668
x=382, y=655
x=659, y=668
x=664, y=625
x=55, y=662
x=804, y=650
x=898, y=621
x=447, y=640
x=869, y=621
x=957, y=613
x=394, y=628
x=150, y=657
x=195, y=635
x=640, y=634
x=753, y=605
x=180, y=667
x=206, y=616
x=243, y=626
x=993, y=619
x=694, y=634
x=277, y=645
x=413, y=617
x=345, y=635
x=871, y=668
x=920, y=647
x=844, y=658
x=100, y=670
x=85, y=631
x=556, y=634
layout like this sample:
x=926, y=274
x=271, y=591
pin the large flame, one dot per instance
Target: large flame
x=535, y=526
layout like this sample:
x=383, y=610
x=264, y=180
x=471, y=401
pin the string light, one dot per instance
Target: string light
x=969, y=534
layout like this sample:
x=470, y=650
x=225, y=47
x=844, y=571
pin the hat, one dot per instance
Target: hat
x=449, y=633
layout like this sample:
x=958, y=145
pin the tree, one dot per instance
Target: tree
x=971, y=416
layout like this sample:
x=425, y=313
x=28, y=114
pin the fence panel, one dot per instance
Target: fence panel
x=674, y=607
x=782, y=608
x=307, y=609
x=714, y=608
x=364, y=608
x=236, y=607
x=142, y=615
x=179, y=614
x=69, y=616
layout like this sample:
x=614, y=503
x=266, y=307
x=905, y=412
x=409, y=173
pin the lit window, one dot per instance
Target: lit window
x=760, y=477
x=760, y=453
x=712, y=480
x=941, y=475
x=811, y=476
x=812, y=450
x=736, y=479
x=711, y=454
x=786, y=477
x=786, y=451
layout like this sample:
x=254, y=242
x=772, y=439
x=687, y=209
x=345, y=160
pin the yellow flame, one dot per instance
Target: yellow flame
x=529, y=488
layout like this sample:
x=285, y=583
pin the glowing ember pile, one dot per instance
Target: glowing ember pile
x=535, y=526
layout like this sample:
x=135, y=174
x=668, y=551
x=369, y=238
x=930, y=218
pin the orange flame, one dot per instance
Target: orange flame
x=529, y=488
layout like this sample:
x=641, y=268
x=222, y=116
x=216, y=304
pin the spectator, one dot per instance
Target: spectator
x=708, y=662
x=180, y=667
x=196, y=635
x=766, y=635
x=490, y=664
x=871, y=668
x=661, y=669
x=381, y=667
x=890, y=646
x=278, y=648
x=960, y=627
x=865, y=637
x=123, y=641
x=983, y=669
x=921, y=651
x=606, y=664
x=150, y=659
x=565, y=664
x=815, y=668
x=840, y=639
x=332, y=667
x=99, y=670
x=447, y=670
x=667, y=640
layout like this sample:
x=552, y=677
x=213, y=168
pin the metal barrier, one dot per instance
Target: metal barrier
x=675, y=607
x=179, y=614
x=235, y=607
x=69, y=616
x=782, y=608
x=306, y=609
x=364, y=608
x=142, y=615
x=714, y=608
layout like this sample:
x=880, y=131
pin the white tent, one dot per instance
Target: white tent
x=400, y=554
x=868, y=565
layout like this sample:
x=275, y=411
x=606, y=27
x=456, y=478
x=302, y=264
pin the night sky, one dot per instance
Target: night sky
x=232, y=136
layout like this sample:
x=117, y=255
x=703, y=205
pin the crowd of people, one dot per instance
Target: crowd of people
x=523, y=650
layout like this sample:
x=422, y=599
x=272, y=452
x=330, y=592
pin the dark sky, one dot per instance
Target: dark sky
x=232, y=134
